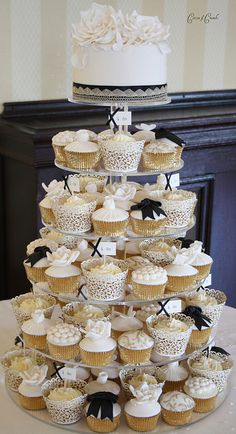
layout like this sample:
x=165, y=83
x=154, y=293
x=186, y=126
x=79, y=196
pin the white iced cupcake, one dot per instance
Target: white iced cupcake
x=181, y=275
x=121, y=323
x=63, y=341
x=35, y=330
x=82, y=153
x=203, y=264
x=59, y=142
x=30, y=392
x=148, y=283
x=135, y=347
x=62, y=276
x=176, y=376
x=97, y=348
x=143, y=411
x=103, y=412
x=130, y=376
x=102, y=384
x=121, y=153
x=179, y=206
x=177, y=408
x=145, y=132
x=105, y=135
x=147, y=218
x=158, y=155
x=109, y=220
x=36, y=262
x=91, y=134
x=54, y=188
x=203, y=391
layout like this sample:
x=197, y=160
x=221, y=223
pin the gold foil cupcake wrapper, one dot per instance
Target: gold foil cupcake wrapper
x=35, y=342
x=32, y=403
x=35, y=274
x=198, y=338
x=204, y=405
x=141, y=424
x=177, y=418
x=82, y=160
x=147, y=228
x=102, y=358
x=147, y=292
x=60, y=155
x=65, y=352
x=127, y=373
x=181, y=283
x=203, y=270
x=134, y=356
x=102, y=425
x=112, y=229
x=64, y=285
x=170, y=386
x=160, y=160
x=47, y=215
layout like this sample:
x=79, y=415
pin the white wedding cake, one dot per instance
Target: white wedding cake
x=119, y=57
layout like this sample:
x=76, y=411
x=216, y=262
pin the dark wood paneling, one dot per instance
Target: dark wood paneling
x=205, y=120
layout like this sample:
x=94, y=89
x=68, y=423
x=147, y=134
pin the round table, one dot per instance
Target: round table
x=16, y=421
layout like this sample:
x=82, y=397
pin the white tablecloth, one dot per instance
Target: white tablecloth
x=13, y=420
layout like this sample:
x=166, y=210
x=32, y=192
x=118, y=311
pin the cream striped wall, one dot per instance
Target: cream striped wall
x=35, y=45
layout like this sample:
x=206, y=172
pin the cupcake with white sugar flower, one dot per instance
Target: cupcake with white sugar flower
x=97, y=348
x=203, y=391
x=181, y=275
x=142, y=412
x=158, y=155
x=62, y=276
x=35, y=330
x=145, y=132
x=59, y=142
x=176, y=375
x=130, y=376
x=110, y=220
x=54, y=188
x=30, y=394
x=122, y=193
x=63, y=341
x=121, y=322
x=149, y=282
x=82, y=153
x=36, y=262
x=147, y=217
x=135, y=347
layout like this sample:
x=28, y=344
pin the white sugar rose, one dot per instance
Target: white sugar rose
x=121, y=192
x=35, y=375
x=146, y=392
x=53, y=187
x=62, y=257
x=98, y=329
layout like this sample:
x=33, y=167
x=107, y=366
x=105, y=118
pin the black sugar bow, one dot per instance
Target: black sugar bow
x=162, y=133
x=185, y=242
x=217, y=350
x=199, y=318
x=148, y=207
x=40, y=252
x=102, y=401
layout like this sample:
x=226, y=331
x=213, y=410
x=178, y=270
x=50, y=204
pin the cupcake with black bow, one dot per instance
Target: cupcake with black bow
x=36, y=261
x=147, y=217
x=103, y=412
x=202, y=327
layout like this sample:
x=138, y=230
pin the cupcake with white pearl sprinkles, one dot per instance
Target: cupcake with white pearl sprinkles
x=203, y=391
x=63, y=341
x=149, y=282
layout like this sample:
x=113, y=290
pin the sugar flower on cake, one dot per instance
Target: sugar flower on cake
x=98, y=329
x=35, y=375
x=146, y=392
x=145, y=127
x=53, y=187
x=62, y=257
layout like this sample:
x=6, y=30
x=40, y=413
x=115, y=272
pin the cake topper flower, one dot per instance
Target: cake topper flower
x=146, y=392
x=62, y=256
x=98, y=329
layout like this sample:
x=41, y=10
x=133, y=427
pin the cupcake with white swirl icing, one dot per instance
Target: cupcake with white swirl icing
x=62, y=276
x=203, y=391
x=59, y=142
x=122, y=153
x=109, y=220
x=82, y=153
x=177, y=408
x=135, y=347
x=63, y=341
x=148, y=282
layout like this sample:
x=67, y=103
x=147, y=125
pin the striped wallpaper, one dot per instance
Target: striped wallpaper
x=35, y=44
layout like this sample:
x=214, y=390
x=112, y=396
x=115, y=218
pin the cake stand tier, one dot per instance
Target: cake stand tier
x=166, y=232
x=82, y=428
x=103, y=172
x=103, y=100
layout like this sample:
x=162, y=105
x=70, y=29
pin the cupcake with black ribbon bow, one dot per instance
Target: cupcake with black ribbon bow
x=103, y=412
x=202, y=327
x=36, y=262
x=147, y=217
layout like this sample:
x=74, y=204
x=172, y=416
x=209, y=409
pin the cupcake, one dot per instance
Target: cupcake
x=179, y=206
x=181, y=275
x=176, y=375
x=215, y=366
x=97, y=348
x=78, y=183
x=105, y=279
x=211, y=301
x=29, y=390
x=145, y=133
x=148, y=283
x=112, y=371
x=102, y=384
x=152, y=191
x=142, y=412
x=152, y=375
x=122, y=194
x=159, y=252
x=203, y=391
x=36, y=262
x=159, y=156
x=135, y=347
x=91, y=134
x=85, y=252
x=171, y=334
x=64, y=404
x=35, y=330
x=59, y=142
x=82, y=153
x=147, y=218
x=103, y=412
x=143, y=312
x=68, y=241
x=177, y=408
x=121, y=153
x=121, y=323
x=15, y=362
x=92, y=195
x=134, y=263
x=203, y=264
x=63, y=341
x=62, y=276
x=105, y=135
x=78, y=314
x=54, y=188
x=73, y=214
x=24, y=305
x=202, y=327
x=109, y=220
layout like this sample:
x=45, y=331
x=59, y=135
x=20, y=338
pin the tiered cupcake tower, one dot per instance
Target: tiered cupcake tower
x=78, y=345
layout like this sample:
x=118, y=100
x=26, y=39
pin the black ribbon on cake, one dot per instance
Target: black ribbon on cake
x=195, y=312
x=185, y=242
x=148, y=207
x=40, y=252
x=66, y=185
x=217, y=350
x=162, y=133
x=101, y=401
